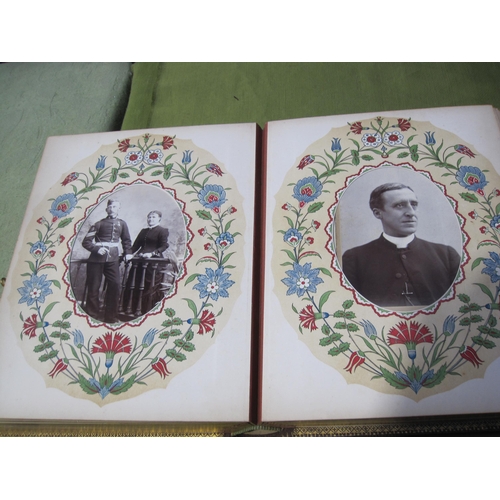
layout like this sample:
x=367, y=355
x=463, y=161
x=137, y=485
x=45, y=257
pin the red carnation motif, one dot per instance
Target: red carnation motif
x=30, y=325
x=111, y=344
x=124, y=145
x=410, y=336
x=469, y=354
x=161, y=367
x=308, y=317
x=167, y=142
x=403, y=124
x=356, y=359
x=206, y=323
x=357, y=128
x=308, y=159
x=69, y=178
x=59, y=367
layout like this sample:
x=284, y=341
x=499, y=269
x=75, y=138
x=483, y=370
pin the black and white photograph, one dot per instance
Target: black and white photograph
x=399, y=238
x=127, y=254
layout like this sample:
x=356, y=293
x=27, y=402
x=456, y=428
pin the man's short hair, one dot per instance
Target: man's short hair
x=157, y=212
x=376, y=195
x=111, y=201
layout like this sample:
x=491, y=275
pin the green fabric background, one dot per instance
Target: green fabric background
x=175, y=94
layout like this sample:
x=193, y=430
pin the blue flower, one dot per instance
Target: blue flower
x=302, y=279
x=336, y=147
x=449, y=325
x=292, y=237
x=63, y=205
x=224, y=240
x=471, y=178
x=78, y=338
x=414, y=384
x=38, y=249
x=369, y=328
x=495, y=222
x=186, y=157
x=101, y=162
x=492, y=267
x=149, y=337
x=429, y=138
x=307, y=189
x=104, y=391
x=35, y=289
x=212, y=196
x=214, y=284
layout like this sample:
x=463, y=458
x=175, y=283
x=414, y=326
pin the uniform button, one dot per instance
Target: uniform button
x=398, y=275
x=403, y=257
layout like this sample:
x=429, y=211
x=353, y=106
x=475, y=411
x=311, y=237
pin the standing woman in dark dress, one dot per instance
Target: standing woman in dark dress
x=150, y=243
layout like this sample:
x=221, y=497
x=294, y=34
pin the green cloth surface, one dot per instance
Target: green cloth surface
x=175, y=94
x=38, y=100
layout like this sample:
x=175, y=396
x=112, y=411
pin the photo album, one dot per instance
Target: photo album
x=326, y=269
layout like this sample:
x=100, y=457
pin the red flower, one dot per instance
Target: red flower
x=301, y=204
x=316, y=224
x=206, y=323
x=161, y=367
x=460, y=148
x=215, y=169
x=310, y=240
x=497, y=192
x=52, y=253
x=286, y=206
x=356, y=359
x=70, y=178
x=308, y=317
x=207, y=246
x=403, y=124
x=469, y=354
x=30, y=325
x=111, y=344
x=480, y=191
x=305, y=161
x=59, y=367
x=357, y=128
x=202, y=231
x=232, y=210
x=167, y=142
x=61, y=238
x=40, y=220
x=415, y=334
x=482, y=229
x=124, y=145
x=54, y=219
x=473, y=214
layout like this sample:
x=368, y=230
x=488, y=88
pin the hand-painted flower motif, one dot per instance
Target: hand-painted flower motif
x=205, y=323
x=497, y=192
x=40, y=220
x=471, y=178
x=315, y=224
x=308, y=317
x=307, y=189
x=207, y=246
x=63, y=205
x=149, y=336
x=124, y=145
x=214, y=284
x=482, y=229
x=167, y=142
x=292, y=237
x=133, y=157
x=215, y=169
x=369, y=328
x=307, y=160
x=232, y=210
x=153, y=156
x=103, y=391
x=309, y=240
x=111, y=344
x=449, y=325
x=101, y=162
x=60, y=239
x=492, y=268
x=212, y=196
x=429, y=138
x=70, y=178
x=160, y=366
x=186, y=157
x=37, y=249
x=336, y=147
x=31, y=324
x=469, y=354
x=78, y=339
x=52, y=253
x=460, y=148
x=473, y=214
x=410, y=336
x=286, y=206
x=393, y=138
x=54, y=219
x=302, y=279
x=414, y=384
x=59, y=367
x=356, y=359
x=404, y=124
x=224, y=240
x=356, y=128
x=35, y=289
x=202, y=231
x=495, y=222
x=372, y=140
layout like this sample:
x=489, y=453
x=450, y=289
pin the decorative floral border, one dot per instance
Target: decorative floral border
x=407, y=355
x=114, y=362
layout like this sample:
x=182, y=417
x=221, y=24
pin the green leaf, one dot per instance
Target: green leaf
x=471, y=198
x=392, y=380
x=404, y=154
x=48, y=309
x=351, y=327
x=56, y=283
x=42, y=347
x=335, y=351
x=123, y=175
x=477, y=262
x=348, y=304
x=368, y=157
x=203, y=214
x=156, y=173
x=314, y=207
x=192, y=306
x=64, y=222
x=463, y=298
x=324, y=298
x=66, y=314
x=178, y=356
x=325, y=330
x=114, y=174
x=192, y=278
x=485, y=290
x=437, y=378
x=49, y=355
x=325, y=271
x=125, y=386
x=487, y=344
x=186, y=346
x=340, y=326
x=86, y=385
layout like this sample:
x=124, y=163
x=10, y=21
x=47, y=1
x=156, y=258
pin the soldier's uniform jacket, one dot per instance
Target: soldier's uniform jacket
x=107, y=233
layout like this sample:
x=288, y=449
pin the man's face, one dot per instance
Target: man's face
x=112, y=209
x=399, y=215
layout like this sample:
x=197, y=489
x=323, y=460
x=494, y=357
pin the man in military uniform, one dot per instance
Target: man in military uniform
x=102, y=241
x=399, y=269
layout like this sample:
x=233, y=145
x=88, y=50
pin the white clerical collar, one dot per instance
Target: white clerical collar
x=151, y=227
x=399, y=242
